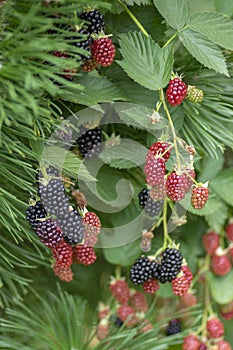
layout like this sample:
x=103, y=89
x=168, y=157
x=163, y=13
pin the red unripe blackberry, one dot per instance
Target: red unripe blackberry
x=191, y=342
x=215, y=328
x=154, y=170
x=95, y=21
x=187, y=300
x=89, y=65
x=64, y=273
x=63, y=255
x=170, y=265
x=182, y=283
x=203, y=346
x=174, y=327
x=142, y=270
x=224, y=345
x=199, y=197
x=176, y=186
x=103, y=311
x=210, y=242
x=92, y=223
x=138, y=302
x=229, y=231
x=103, y=51
x=72, y=227
x=151, y=286
x=89, y=143
x=176, y=91
x=158, y=191
x=226, y=311
x=160, y=149
x=34, y=213
x=103, y=329
x=84, y=254
x=120, y=291
x=127, y=314
x=220, y=265
x=151, y=207
x=49, y=233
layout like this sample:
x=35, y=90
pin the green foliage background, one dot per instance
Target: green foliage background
x=31, y=106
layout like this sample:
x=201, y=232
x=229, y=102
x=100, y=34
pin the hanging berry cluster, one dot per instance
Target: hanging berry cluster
x=68, y=232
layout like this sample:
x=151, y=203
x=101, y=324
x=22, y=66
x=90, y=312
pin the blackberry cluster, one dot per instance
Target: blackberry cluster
x=49, y=233
x=72, y=226
x=34, y=213
x=174, y=327
x=84, y=44
x=95, y=19
x=52, y=192
x=89, y=143
x=152, y=208
x=170, y=265
x=142, y=270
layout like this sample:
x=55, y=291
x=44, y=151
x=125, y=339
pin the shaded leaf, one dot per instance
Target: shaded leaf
x=221, y=287
x=223, y=185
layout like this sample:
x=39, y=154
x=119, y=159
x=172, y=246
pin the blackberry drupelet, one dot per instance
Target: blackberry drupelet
x=170, y=265
x=49, y=233
x=34, y=213
x=152, y=208
x=89, y=143
x=72, y=227
x=52, y=192
x=142, y=270
x=96, y=20
x=174, y=327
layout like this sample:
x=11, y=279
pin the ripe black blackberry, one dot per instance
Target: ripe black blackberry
x=96, y=20
x=142, y=270
x=170, y=265
x=174, y=327
x=52, y=192
x=83, y=43
x=34, y=213
x=89, y=143
x=72, y=227
x=152, y=208
x=49, y=233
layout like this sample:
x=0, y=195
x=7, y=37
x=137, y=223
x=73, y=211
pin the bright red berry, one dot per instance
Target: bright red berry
x=210, y=242
x=199, y=197
x=176, y=91
x=190, y=176
x=92, y=228
x=102, y=329
x=224, y=345
x=138, y=302
x=103, y=51
x=160, y=149
x=220, y=265
x=84, y=254
x=120, y=291
x=182, y=283
x=151, y=286
x=191, y=342
x=127, y=314
x=63, y=255
x=229, y=231
x=154, y=170
x=64, y=273
x=176, y=186
x=158, y=191
x=215, y=328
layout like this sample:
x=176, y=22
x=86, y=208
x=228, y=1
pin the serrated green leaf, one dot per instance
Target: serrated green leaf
x=127, y=155
x=216, y=27
x=144, y=61
x=175, y=13
x=205, y=51
x=216, y=222
x=221, y=287
x=224, y=6
x=223, y=185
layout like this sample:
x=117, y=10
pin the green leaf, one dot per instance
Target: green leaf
x=137, y=2
x=175, y=12
x=216, y=222
x=127, y=155
x=221, y=287
x=144, y=61
x=216, y=26
x=223, y=185
x=212, y=205
x=205, y=51
x=224, y=6
x=209, y=167
x=124, y=255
